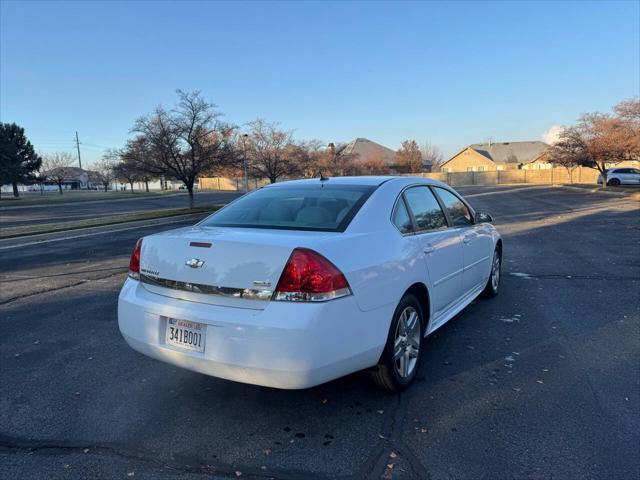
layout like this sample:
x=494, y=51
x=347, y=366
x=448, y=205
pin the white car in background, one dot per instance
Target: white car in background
x=302, y=282
x=621, y=176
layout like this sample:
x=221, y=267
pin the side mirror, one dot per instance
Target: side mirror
x=483, y=217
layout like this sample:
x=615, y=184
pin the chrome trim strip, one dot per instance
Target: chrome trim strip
x=311, y=297
x=246, y=293
x=483, y=259
x=448, y=277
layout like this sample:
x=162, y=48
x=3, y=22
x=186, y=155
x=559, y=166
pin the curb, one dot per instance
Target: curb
x=632, y=195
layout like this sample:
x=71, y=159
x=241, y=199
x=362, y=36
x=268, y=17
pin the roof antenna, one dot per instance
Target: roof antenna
x=323, y=178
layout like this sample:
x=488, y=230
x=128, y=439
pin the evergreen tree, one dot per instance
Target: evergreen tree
x=18, y=159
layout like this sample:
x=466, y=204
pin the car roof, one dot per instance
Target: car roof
x=362, y=180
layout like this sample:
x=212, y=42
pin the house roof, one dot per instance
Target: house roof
x=366, y=149
x=70, y=174
x=510, y=152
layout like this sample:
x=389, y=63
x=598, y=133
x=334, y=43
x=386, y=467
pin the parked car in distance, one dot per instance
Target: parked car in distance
x=302, y=282
x=621, y=176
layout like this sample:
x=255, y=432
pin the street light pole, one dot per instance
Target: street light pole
x=244, y=162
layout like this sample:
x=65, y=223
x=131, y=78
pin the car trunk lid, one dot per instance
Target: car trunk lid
x=220, y=266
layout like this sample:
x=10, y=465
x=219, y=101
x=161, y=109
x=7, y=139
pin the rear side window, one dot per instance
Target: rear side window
x=460, y=214
x=319, y=207
x=425, y=208
x=401, y=218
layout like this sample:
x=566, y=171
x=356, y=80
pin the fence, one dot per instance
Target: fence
x=499, y=177
x=456, y=179
x=227, y=183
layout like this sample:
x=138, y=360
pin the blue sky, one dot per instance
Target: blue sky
x=451, y=73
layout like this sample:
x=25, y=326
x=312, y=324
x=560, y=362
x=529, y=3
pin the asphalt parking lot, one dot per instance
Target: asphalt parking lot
x=541, y=382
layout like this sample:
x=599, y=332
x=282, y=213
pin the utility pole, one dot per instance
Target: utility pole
x=78, y=147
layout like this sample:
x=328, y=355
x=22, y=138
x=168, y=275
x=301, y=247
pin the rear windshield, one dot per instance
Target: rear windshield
x=321, y=207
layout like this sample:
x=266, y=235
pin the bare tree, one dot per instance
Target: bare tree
x=431, y=154
x=409, y=157
x=132, y=162
x=105, y=168
x=374, y=165
x=55, y=167
x=271, y=152
x=600, y=140
x=309, y=155
x=185, y=142
x=127, y=170
x=566, y=152
x=339, y=163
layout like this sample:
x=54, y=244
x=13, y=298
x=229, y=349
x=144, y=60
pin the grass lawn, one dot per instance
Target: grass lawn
x=12, y=232
x=73, y=196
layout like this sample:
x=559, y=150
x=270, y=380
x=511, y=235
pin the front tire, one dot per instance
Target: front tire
x=401, y=357
x=493, y=284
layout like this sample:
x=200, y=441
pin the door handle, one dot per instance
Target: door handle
x=468, y=237
x=429, y=249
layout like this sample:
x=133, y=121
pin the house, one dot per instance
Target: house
x=74, y=178
x=365, y=150
x=541, y=162
x=481, y=157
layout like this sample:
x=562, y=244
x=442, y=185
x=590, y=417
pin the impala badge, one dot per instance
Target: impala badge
x=194, y=263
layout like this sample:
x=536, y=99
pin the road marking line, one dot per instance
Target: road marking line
x=72, y=237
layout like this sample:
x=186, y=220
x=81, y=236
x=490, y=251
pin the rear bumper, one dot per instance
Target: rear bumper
x=286, y=345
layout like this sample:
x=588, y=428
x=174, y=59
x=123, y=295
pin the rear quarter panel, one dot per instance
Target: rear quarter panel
x=378, y=262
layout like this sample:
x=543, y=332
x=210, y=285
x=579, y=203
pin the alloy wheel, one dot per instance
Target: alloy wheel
x=407, y=342
x=495, y=272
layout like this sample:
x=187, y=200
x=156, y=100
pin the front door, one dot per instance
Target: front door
x=476, y=239
x=441, y=247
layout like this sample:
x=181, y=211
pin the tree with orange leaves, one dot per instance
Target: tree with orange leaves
x=600, y=140
x=409, y=157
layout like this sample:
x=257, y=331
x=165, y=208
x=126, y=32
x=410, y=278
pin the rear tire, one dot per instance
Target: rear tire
x=402, y=353
x=493, y=284
x=614, y=182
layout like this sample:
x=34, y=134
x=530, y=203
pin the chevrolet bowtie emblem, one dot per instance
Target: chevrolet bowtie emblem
x=194, y=263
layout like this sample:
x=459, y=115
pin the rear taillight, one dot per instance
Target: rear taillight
x=309, y=277
x=134, y=263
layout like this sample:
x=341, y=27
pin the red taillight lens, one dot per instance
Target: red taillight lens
x=309, y=277
x=134, y=263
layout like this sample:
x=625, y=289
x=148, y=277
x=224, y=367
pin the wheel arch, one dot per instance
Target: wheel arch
x=421, y=292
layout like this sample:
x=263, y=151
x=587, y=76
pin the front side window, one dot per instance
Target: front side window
x=401, y=217
x=425, y=208
x=459, y=212
x=321, y=207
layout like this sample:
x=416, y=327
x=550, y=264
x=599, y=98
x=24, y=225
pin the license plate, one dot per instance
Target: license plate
x=186, y=334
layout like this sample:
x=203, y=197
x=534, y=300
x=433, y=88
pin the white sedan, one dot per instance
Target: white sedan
x=302, y=282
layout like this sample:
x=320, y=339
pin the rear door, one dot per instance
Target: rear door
x=476, y=239
x=628, y=176
x=441, y=247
